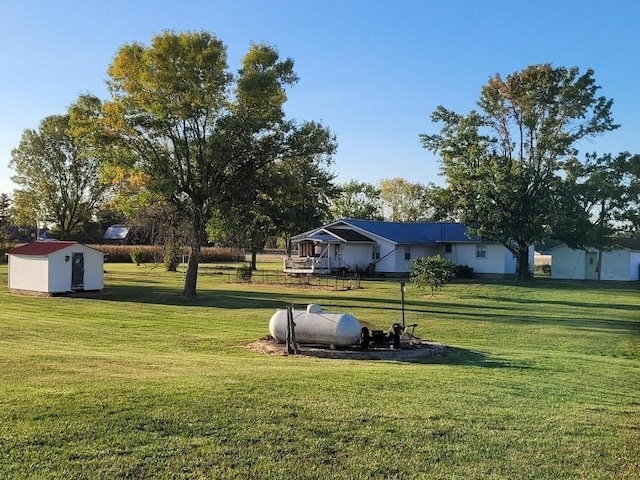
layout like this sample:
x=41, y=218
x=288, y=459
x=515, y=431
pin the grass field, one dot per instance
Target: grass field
x=141, y=384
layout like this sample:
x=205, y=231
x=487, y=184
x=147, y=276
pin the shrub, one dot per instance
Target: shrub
x=463, y=271
x=244, y=272
x=544, y=269
x=433, y=272
x=137, y=256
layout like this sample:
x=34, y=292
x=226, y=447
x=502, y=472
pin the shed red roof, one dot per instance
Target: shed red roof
x=39, y=248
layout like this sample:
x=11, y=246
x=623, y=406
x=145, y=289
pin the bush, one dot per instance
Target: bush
x=433, y=272
x=463, y=271
x=244, y=272
x=544, y=269
x=137, y=256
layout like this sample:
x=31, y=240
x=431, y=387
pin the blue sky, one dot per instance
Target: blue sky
x=372, y=71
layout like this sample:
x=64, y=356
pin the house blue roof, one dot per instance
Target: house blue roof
x=413, y=233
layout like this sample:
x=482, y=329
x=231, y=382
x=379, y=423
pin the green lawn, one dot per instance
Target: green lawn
x=141, y=384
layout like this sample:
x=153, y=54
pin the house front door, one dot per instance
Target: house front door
x=77, y=271
x=591, y=272
x=337, y=256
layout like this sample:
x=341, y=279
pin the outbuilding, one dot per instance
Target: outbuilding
x=622, y=263
x=47, y=268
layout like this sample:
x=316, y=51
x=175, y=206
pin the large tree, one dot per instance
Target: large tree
x=302, y=182
x=5, y=215
x=402, y=200
x=502, y=162
x=200, y=134
x=288, y=195
x=356, y=199
x=57, y=171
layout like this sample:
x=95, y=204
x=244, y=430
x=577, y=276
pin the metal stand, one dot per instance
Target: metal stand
x=292, y=345
x=403, y=288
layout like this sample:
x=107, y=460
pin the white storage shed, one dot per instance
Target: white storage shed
x=47, y=268
x=620, y=264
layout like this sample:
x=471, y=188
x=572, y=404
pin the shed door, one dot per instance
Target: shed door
x=77, y=271
x=592, y=266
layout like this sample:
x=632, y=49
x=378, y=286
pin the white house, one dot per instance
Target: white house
x=389, y=247
x=622, y=263
x=55, y=267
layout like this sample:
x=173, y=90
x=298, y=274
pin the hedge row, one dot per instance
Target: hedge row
x=155, y=253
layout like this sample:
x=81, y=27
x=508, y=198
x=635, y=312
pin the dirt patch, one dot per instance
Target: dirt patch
x=410, y=349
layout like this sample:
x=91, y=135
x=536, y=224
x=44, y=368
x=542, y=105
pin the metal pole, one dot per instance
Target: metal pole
x=402, y=290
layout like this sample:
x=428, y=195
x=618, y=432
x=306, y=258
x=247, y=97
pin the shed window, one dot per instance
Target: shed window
x=481, y=250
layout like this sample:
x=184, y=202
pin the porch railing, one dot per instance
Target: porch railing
x=310, y=264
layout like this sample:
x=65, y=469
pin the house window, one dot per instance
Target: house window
x=305, y=249
x=448, y=247
x=375, y=252
x=336, y=249
x=407, y=253
x=481, y=250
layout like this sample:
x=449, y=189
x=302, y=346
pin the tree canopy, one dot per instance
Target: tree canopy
x=503, y=162
x=355, y=199
x=404, y=201
x=201, y=136
x=58, y=171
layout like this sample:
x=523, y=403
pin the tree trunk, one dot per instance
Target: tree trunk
x=170, y=255
x=287, y=245
x=197, y=234
x=522, y=265
x=254, y=258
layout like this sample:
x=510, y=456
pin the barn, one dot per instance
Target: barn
x=47, y=268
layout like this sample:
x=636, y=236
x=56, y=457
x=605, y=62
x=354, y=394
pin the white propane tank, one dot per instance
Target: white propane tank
x=316, y=327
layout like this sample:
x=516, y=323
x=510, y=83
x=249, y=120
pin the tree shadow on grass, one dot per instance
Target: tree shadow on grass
x=230, y=299
x=508, y=312
x=537, y=301
x=469, y=358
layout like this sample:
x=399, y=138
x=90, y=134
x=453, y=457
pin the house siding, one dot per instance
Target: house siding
x=416, y=251
x=94, y=270
x=634, y=265
x=617, y=265
x=492, y=263
x=387, y=262
x=567, y=264
x=59, y=272
x=28, y=273
x=357, y=256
